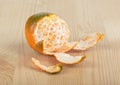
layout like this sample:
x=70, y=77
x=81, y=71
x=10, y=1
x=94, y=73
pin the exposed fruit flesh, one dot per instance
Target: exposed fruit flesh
x=53, y=30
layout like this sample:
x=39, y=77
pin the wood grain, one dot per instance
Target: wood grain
x=101, y=67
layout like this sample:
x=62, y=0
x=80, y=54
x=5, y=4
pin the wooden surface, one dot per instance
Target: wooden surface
x=102, y=65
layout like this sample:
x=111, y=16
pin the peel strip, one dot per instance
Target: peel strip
x=50, y=69
x=66, y=47
x=69, y=59
x=88, y=41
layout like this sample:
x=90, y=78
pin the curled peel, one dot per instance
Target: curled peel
x=66, y=47
x=50, y=69
x=88, y=41
x=68, y=59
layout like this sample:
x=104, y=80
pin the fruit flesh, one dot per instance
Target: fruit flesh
x=53, y=30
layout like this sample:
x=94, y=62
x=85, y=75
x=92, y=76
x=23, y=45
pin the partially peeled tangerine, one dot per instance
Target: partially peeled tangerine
x=48, y=34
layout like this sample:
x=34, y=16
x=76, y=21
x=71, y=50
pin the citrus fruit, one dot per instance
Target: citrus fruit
x=48, y=27
x=48, y=34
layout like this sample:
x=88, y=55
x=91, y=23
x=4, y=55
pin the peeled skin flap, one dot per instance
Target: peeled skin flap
x=88, y=41
x=69, y=59
x=51, y=69
x=66, y=47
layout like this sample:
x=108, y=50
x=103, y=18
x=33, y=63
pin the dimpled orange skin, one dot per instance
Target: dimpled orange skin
x=48, y=27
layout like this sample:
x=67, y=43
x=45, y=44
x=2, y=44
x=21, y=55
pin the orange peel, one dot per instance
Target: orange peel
x=88, y=41
x=49, y=69
x=68, y=59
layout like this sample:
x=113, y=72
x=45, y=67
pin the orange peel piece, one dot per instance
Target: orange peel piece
x=69, y=59
x=66, y=47
x=89, y=41
x=61, y=56
x=51, y=69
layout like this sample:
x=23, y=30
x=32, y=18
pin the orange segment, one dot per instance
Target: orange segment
x=89, y=41
x=68, y=59
x=51, y=69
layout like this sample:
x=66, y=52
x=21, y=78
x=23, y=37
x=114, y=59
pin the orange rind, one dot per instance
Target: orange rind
x=49, y=69
x=88, y=41
x=69, y=59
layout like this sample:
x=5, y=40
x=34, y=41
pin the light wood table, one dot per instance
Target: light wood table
x=102, y=65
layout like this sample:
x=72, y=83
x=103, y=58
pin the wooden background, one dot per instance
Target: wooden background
x=102, y=65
